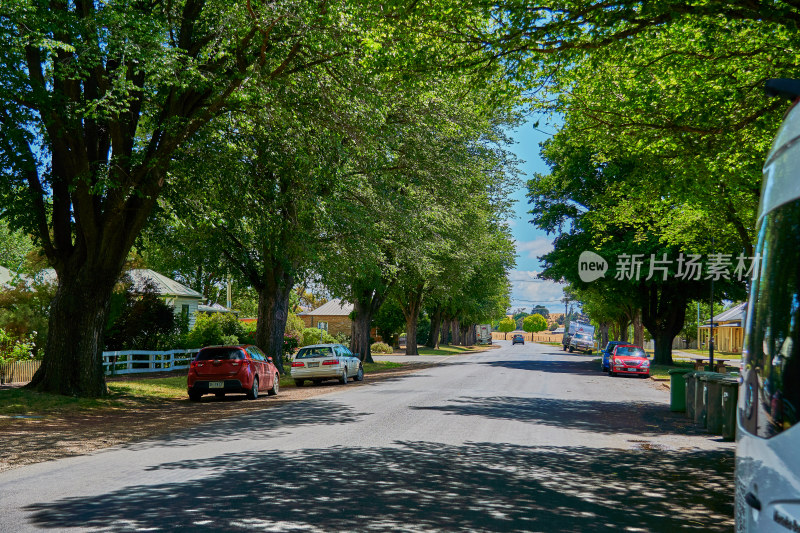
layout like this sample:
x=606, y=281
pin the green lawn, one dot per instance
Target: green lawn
x=662, y=371
x=724, y=355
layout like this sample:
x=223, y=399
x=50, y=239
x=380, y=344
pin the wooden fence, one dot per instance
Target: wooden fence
x=19, y=371
x=123, y=362
x=139, y=361
x=529, y=337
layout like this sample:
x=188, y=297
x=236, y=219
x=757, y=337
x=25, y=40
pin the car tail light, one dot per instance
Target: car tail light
x=330, y=362
x=295, y=365
x=193, y=364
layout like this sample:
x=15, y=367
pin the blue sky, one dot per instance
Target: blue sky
x=527, y=291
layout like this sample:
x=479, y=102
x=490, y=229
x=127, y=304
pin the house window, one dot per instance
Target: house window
x=322, y=326
x=185, y=310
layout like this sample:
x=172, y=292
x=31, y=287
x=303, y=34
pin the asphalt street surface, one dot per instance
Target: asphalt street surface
x=524, y=438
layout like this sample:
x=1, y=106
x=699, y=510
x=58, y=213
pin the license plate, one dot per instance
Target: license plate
x=632, y=369
x=310, y=365
x=216, y=384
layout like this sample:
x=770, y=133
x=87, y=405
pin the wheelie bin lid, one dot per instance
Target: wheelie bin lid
x=711, y=376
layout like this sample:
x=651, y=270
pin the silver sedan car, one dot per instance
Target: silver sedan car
x=326, y=361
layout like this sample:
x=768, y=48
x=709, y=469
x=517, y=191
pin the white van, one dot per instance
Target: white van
x=768, y=438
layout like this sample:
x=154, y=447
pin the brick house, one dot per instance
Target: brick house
x=333, y=317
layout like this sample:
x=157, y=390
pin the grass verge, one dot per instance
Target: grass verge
x=662, y=371
x=122, y=394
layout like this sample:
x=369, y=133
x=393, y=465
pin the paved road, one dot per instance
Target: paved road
x=524, y=438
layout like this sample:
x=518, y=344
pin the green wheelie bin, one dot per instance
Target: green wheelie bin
x=714, y=403
x=701, y=398
x=691, y=384
x=677, y=389
x=730, y=398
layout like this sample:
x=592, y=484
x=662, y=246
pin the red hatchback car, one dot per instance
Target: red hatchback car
x=222, y=369
x=629, y=359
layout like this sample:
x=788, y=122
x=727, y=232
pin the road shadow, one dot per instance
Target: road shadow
x=638, y=418
x=258, y=425
x=419, y=486
x=581, y=367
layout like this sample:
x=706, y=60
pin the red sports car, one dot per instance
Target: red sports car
x=222, y=369
x=629, y=359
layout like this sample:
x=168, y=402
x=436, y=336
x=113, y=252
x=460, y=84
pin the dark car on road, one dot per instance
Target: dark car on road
x=517, y=339
x=605, y=363
x=220, y=370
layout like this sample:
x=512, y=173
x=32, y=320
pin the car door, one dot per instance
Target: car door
x=353, y=361
x=258, y=366
x=268, y=376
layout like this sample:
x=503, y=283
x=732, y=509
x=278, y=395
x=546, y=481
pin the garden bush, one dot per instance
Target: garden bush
x=381, y=347
x=215, y=329
x=316, y=336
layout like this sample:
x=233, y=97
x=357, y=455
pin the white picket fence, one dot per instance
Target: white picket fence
x=140, y=361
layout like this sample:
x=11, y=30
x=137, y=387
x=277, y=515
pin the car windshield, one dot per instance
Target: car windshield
x=611, y=345
x=208, y=354
x=584, y=336
x=307, y=353
x=631, y=352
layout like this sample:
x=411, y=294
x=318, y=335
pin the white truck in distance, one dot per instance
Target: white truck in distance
x=580, y=337
x=483, y=333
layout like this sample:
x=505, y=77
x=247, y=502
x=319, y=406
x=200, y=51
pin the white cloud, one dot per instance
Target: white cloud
x=534, y=248
x=527, y=290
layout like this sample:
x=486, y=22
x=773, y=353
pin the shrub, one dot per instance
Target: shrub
x=15, y=348
x=24, y=313
x=217, y=328
x=140, y=321
x=290, y=343
x=342, y=338
x=316, y=336
x=381, y=347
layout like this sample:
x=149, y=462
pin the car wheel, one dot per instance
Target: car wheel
x=611, y=374
x=299, y=382
x=570, y=349
x=360, y=375
x=194, y=396
x=253, y=394
x=343, y=379
x=219, y=394
x=276, y=385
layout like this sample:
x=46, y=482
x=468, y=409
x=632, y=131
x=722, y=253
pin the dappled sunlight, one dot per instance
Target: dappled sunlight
x=640, y=418
x=420, y=486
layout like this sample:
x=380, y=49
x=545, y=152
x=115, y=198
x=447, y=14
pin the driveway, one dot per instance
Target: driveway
x=524, y=438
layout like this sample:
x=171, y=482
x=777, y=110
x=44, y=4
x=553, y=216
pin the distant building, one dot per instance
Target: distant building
x=333, y=317
x=728, y=330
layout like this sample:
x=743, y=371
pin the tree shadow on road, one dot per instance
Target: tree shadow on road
x=259, y=425
x=581, y=367
x=640, y=418
x=419, y=486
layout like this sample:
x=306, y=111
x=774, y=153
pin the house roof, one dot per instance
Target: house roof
x=735, y=313
x=164, y=286
x=214, y=308
x=335, y=307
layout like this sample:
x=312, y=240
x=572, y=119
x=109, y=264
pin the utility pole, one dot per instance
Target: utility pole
x=230, y=292
x=711, y=330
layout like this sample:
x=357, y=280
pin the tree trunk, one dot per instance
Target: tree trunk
x=638, y=328
x=72, y=364
x=411, y=307
x=445, y=335
x=464, y=334
x=436, y=326
x=622, y=324
x=663, y=313
x=273, y=311
x=456, y=331
x=603, y=334
x=367, y=303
